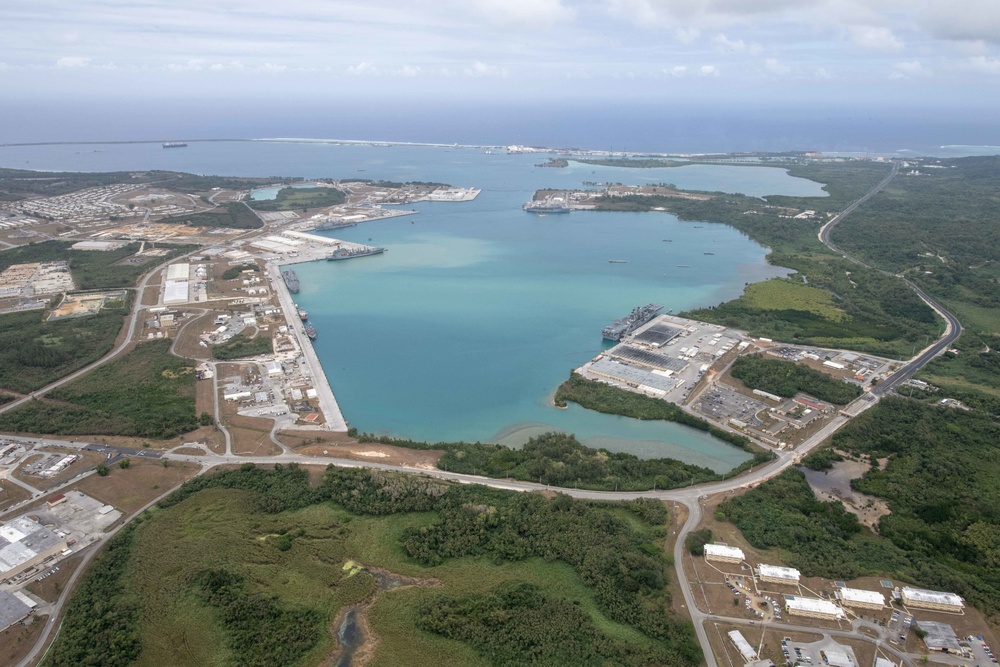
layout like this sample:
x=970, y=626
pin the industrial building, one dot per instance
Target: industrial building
x=723, y=553
x=813, y=608
x=939, y=637
x=855, y=597
x=838, y=659
x=936, y=600
x=14, y=606
x=24, y=543
x=743, y=646
x=778, y=575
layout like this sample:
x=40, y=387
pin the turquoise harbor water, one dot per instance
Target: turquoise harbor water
x=476, y=314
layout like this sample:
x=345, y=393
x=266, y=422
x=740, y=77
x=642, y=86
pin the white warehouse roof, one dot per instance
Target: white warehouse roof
x=778, y=572
x=932, y=597
x=813, y=605
x=723, y=551
x=175, y=291
x=859, y=595
x=178, y=271
x=742, y=645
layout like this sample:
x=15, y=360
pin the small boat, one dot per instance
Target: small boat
x=667, y=240
x=709, y=253
x=617, y=261
x=683, y=266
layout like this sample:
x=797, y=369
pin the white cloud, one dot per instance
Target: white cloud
x=727, y=45
x=525, y=13
x=708, y=70
x=822, y=73
x=909, y=70
x=410, y=70
x=687, y=35
x=875, y=38
x=774, y=67
x=481, y=69
x=193, y=65
x=271, y=68
x=69, y=62
x=362, y=68
x=677, y=70
x=985, y=65
x=972, y=20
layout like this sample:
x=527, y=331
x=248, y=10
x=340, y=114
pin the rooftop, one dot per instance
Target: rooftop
x=939, y=636
x=859, y=595
x=724, y=551
x=22, y=539
x=932, y=597
x=813, y=605
x=778, y=572
x=12, y=609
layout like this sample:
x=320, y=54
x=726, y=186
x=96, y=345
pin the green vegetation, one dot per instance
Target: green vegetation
x=34, y=353
x=822, y=459
x=783, y=294
x=939, y=482
x=289, y=199
x=91, y=269
x=203, y=570
x=100, y=626
x=696, y=540
x=242, y=346
x=632, y=163
x=235, y=215
x=17, y=184
x=786, y=378
x=560, y=460
x=846, y=182
x=147, y=393
x=182, y=182
x=236, y=271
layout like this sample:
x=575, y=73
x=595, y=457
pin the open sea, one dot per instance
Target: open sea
x=478, y=311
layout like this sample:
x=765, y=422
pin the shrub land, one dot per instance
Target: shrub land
x=242, y=346
x=940, y=484
x=520, y=578
x=235, y=215
x=786, y=378
x=147, y=393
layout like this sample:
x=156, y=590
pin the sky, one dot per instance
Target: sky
x=871, y=53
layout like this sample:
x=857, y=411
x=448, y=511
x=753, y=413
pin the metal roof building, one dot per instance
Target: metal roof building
x=723, y=553
x=838, y=659
x=742, y=645
x=855, y=597
x=178, y=271
x=24, y=543
x=813, y=608
x=940, y=636
x=939, y=600
x=778, y=574
x=13, y=608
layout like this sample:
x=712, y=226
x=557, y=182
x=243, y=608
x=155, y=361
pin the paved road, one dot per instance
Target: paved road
x=953, y=328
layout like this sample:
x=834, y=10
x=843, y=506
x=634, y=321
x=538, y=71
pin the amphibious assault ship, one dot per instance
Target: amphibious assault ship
x=626, y=325
x=344, y=253
x=291, y=281
x=544, y=207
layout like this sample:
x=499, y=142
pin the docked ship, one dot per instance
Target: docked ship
x=626, y=325
x=291, y=281
x=544, y=207
x=364, y=251
x=175, y=144
x=303, y=315
x=333, y=224
x=310, y=331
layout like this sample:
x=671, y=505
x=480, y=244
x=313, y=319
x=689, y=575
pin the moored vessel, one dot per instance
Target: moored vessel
x=626, y=325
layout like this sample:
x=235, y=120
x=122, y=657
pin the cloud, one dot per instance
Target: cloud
x=909, y=70
x=984, y=65
x=271, y=68
x=70, y=62
x=525, y=13
x=677, y=70
x=727, y=45
x=193, y=65
x=972, y=20
x=481, y=69
x=687, y=35
x=875, y=38
x=774, y=67
x=708, y=70
x=364, y=67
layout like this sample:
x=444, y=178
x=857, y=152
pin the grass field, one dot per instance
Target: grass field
x=290, y=199
x=218, y=528
x=783, y=294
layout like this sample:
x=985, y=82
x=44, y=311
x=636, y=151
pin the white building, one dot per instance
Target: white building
x=743, y=646
x=723, y=553
x=855, y=597
x=937, y=600
x=838, y=659
x=813, y=608
x=778, y=574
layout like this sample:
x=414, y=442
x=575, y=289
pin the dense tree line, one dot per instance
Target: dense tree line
x=147, y=393
x=257, y=628
x=295, y=198
x=101, y=624
x=786, y=378
x=242, y=346
x=16, y=184
x=236, y=271
x=520, y=625
x=696, y=540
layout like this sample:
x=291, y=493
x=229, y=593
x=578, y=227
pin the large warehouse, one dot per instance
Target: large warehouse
x=721, y=552
x=813, y=608
x=855, y=597
x=743, y=646
x=777, y=574
x=24, y=543
x=937, y=600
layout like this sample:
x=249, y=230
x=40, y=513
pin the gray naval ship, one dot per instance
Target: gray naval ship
x=291, y=281
x=626, y=325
